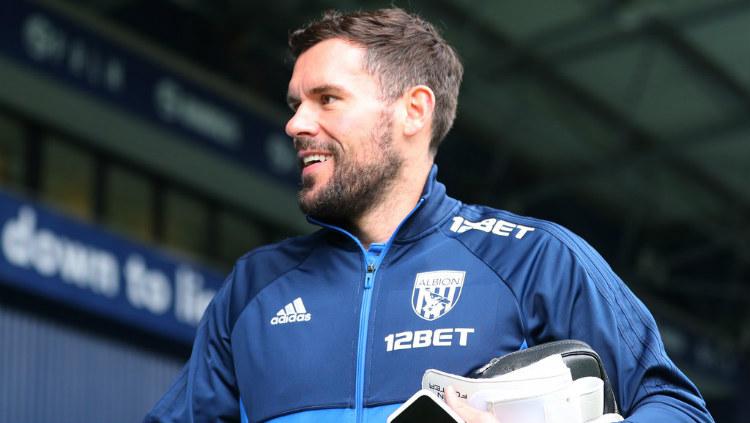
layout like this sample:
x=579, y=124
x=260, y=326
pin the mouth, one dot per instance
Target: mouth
x=311, y=159
x=313, y=162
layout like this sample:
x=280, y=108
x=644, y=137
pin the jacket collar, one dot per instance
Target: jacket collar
x=436, y=205
x=431, y=210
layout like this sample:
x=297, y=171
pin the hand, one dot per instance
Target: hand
x=467, y=412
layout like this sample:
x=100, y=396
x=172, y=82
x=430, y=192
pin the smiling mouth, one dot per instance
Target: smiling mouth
x=314, y=158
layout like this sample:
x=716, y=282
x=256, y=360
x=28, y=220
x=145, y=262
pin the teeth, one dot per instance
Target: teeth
x=314, y=158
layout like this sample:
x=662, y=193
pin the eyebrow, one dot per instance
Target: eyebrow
x=292, y=99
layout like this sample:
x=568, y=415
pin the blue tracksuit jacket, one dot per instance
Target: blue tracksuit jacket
x=317, y=329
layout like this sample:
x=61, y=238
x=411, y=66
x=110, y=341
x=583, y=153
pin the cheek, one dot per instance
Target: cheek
x=347, y=124
x=352, y=131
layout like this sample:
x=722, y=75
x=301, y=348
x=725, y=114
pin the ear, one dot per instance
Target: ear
x=419, y=102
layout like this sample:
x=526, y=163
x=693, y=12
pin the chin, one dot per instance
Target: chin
x=310, y=190
x=314, y=182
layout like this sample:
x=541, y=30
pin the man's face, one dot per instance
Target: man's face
x=342, y=131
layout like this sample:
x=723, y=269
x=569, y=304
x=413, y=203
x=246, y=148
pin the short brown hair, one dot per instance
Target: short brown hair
x=403, y=51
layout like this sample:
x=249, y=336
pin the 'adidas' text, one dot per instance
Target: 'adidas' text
x=291, y=313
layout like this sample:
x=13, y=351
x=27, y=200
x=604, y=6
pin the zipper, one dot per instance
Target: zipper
x=371, y=263
x=364, y=318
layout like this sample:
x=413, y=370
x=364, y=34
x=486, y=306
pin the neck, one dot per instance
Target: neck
x=379, y=223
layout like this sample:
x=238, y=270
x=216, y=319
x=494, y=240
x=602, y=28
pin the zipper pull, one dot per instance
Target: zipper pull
x=368, y=276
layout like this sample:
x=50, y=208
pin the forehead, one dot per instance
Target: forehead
x=330, y=62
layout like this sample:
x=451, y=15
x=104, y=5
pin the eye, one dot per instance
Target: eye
x=327, y=99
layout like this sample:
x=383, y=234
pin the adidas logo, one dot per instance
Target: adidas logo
x=292, y=312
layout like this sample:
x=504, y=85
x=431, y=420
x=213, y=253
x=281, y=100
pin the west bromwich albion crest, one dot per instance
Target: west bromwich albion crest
x=436, y=293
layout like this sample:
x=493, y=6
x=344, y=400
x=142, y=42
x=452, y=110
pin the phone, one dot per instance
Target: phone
x=424, y=406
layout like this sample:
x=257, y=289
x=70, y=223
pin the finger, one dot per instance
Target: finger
x=464, y=410
x=451, y=398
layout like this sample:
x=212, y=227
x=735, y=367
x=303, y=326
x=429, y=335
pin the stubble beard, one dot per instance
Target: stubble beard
x=354, y=187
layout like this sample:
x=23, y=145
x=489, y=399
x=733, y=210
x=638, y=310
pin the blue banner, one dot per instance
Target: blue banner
x=63, y=259
x=76, y=56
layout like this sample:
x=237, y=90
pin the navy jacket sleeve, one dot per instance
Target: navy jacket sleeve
x=576, y=295
x=205, y=389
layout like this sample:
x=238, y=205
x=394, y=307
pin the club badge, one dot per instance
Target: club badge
x=436, y=293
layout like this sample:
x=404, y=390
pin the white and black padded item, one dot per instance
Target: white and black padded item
x=578, y=356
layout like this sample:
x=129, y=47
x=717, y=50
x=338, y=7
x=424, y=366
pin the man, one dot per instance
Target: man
x=340, y=325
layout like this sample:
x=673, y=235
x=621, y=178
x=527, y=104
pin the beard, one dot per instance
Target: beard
x=354, y=187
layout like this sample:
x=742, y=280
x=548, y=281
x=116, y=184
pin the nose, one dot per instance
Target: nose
x=302, y=123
